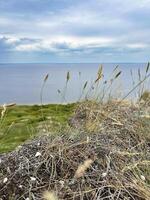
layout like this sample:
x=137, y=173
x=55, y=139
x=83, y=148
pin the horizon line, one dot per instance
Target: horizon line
x=141, y=62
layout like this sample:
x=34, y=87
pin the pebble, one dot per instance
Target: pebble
x=5, y=180
x=143, y=178
x=104, y=174
x=33, y=178
x=37, y=154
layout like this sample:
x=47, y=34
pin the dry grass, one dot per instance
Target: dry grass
x=108, y=161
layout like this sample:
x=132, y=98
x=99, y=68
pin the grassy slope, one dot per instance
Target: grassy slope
x=20, y=122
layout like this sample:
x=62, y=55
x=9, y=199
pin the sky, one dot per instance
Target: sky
x=42, y=31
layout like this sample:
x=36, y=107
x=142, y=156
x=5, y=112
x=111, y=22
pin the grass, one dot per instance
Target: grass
x=104, y=156
x=22, y=122
x=102, y=152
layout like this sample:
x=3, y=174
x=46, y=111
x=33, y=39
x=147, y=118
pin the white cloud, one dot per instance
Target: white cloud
x=137, y=46
x=91, y=26
x=12, y=40
x=63, y=43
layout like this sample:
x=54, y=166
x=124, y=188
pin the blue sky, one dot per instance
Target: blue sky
x=74, y=31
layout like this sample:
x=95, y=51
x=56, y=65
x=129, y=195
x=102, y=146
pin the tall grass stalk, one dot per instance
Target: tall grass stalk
x=63, y=94
x=41, y=98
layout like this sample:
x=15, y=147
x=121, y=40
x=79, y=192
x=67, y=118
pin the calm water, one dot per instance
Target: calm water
x=21, y=83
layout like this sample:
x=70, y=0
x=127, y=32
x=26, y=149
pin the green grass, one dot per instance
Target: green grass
x=22, y=122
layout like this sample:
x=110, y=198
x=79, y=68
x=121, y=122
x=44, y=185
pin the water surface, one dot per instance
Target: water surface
x=21, y=83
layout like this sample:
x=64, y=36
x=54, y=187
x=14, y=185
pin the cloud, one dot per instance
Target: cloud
x=71, y=27
x=4, y=44
x=60, y=44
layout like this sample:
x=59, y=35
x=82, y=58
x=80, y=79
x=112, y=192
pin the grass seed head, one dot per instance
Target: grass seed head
x=3, y=111
x=99, y=74
x=46, y=77
x=83, y=167
x=49, y=195
x=147, y=68
x=118, y=74
x=68, y=76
